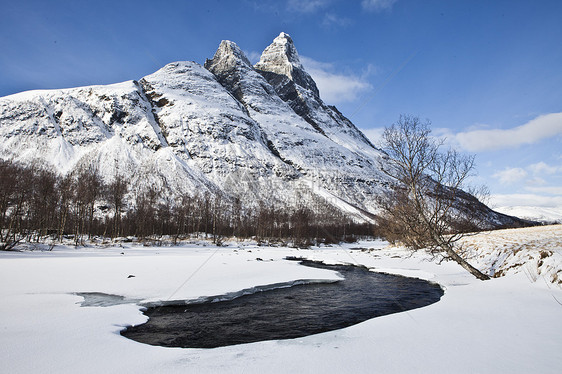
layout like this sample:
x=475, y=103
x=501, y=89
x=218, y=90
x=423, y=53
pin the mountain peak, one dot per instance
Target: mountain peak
x=281, y=59
x=286, y=44
x=228, y=65
x=230, y=53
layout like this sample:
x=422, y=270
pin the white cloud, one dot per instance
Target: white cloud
x=531, y=178
x=311, y=63
x=377, y=5
x=253, y=56
x=510, y=175
x=543, y=168
x=335, y=87
x=444, y=134
x=536, y=181
x=331, y=20
x=307, y=6
x=503, y=200
x=548, y=190
x=533, y=131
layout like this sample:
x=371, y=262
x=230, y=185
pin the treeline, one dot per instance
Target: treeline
x=38, y=204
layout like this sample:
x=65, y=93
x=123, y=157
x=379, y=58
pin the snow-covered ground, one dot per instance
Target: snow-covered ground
x=508, y=324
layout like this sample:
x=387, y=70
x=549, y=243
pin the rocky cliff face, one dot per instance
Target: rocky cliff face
x=281, y=66
x=257, y=133
x=333, y=157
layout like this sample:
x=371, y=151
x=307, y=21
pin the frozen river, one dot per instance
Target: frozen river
x=285, y=313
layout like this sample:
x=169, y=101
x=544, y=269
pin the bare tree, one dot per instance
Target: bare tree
x=15, y=192
x=65, y=187
x=43, y=202
x=300, y=225
x=9, y=176
x=146, y=213
x=116, y=193
x=425, y=209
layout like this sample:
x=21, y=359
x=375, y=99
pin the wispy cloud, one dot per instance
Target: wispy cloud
x=530, y=175
x=253, y=56
x=542, y=127
x=544, y=168
x=511, y=175
x=552, y=190
x=335, y=87
x=266, y=6
x=307, y=6
x=536, y=181
x=377, y=5
x=533, y=200
x=331, y=20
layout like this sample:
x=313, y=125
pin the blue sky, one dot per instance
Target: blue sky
x=487, y=74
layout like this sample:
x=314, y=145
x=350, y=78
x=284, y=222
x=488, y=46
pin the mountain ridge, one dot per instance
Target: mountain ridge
x=254, y=133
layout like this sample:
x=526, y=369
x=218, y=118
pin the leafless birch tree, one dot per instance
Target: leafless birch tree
x=424, y=210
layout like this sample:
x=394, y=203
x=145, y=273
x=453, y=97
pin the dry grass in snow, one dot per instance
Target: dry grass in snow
x=535, y=251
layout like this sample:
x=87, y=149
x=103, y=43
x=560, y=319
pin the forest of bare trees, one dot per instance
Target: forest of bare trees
x=37, y=204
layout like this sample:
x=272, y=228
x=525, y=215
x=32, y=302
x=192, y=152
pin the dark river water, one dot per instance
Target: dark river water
x=285, y=313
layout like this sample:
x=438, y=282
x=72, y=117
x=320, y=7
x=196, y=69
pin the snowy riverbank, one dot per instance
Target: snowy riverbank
x=509, y=324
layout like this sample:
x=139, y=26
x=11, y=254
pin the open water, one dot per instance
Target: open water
x=285, y=313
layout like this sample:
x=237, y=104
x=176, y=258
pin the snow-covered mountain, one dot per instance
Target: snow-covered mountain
x=258, y=133
x=546, y=215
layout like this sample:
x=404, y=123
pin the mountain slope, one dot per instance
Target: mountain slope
x=345, y=174
x=281, y=66
x=256, y=133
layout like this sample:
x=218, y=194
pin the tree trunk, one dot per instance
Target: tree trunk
x=462, y=262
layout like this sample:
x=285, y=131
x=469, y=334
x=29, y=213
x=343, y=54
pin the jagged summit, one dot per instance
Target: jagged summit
x=282, y=51
x=280, y=64
x=229, y=52
x=229, y=65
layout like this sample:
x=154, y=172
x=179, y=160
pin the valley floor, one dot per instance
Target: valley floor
x=508, y=324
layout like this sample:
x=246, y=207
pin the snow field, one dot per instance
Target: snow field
x=508, y=324
x=533, y=251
